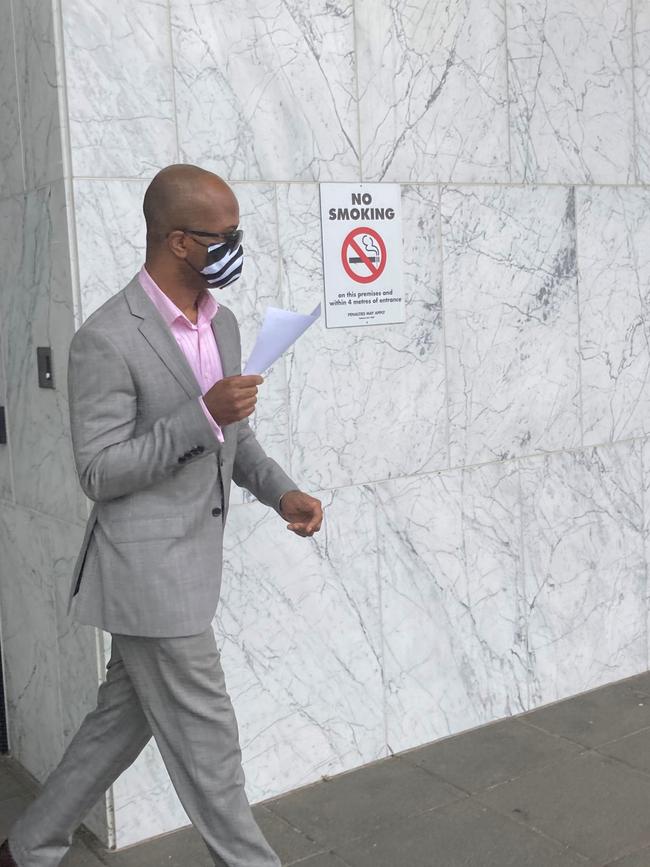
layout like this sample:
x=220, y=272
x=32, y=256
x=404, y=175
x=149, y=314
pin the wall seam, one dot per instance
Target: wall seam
x=645, y=550
x=173, y=80
x=66, y=157
x=443, y=323
x=65, y=144
x=576, y=191
x=402, y=182
x=356, y=83
x=635, y=155
x=18, y=91
x=380, y=597
x=522, y=587
x=508, y=120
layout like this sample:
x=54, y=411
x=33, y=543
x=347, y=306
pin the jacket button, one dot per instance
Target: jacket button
x=216, y=512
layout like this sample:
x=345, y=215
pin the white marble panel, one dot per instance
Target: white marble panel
x=11, y=149
x=367, y=402
x=614, y=290
x=454, y=642
x=6, y=486
x=298, y=627
x=584, y=569
x=645, y=464
x=110, y=237
x=511, y=321
x=432, y=90
x=36, y=305
x=30, y=543
x=119, y=87
x=266, y=89
x=38, y=91
x=642, y=90
x=570, y=81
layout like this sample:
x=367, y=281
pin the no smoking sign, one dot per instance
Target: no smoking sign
x=362, y=254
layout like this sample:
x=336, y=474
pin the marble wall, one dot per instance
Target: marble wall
x=485, y=466
x=51, y=665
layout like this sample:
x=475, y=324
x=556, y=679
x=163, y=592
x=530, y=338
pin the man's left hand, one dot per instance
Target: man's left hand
x=304, y=513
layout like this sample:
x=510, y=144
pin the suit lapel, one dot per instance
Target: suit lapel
x=156, y=332
x=225, y=345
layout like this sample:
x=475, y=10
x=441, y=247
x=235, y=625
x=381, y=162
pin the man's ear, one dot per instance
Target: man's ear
x=177, y=243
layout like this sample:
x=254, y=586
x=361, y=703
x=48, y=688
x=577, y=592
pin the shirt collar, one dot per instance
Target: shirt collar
x=207, y=307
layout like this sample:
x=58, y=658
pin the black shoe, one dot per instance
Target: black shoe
x=5, y=856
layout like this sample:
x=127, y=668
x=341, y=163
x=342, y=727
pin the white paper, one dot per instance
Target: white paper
x=279, y=331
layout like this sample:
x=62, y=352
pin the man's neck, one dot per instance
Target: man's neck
x=185, y=297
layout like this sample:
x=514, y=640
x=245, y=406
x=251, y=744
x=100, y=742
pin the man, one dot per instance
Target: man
x=159, y=420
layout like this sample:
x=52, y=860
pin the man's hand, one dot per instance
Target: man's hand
x=304, y=513
x=232, y=398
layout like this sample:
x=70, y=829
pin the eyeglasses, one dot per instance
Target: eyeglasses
x=233, y=239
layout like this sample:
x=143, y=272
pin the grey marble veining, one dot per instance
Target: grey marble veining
x=432, y=90
x=584, y=569
x=570, y=83
x=29, y=630
x=511, y=321
x=614, y=288
x=36, y=309
x=642, y=89
x=38, y=91
x=119, y=87
x=266, y=90
x=435, y=599
x=368, y=402
x=11, y=160
x=298, y=627
x=451, y=600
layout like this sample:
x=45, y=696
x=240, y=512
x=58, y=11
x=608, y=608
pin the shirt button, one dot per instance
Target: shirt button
x=216, y=512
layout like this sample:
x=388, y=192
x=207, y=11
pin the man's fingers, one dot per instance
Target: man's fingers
x=247, y=381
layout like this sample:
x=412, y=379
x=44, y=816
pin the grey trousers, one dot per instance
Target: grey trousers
x=173, y=688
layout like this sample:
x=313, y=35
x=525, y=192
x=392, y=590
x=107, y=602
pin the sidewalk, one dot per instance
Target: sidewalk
x=565, y=785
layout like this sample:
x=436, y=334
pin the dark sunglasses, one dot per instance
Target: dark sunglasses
x=233, y=239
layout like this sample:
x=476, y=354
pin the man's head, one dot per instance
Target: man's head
x=180, y=201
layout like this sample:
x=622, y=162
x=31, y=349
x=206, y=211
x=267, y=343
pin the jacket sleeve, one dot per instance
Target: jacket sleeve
x=254, y=470
x=111, y=462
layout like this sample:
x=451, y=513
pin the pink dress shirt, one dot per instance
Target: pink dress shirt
x=195, y=341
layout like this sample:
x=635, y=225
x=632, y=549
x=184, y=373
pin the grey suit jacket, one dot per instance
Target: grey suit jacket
x=150, y=562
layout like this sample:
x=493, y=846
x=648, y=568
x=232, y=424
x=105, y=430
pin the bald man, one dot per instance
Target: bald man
x=159, y=420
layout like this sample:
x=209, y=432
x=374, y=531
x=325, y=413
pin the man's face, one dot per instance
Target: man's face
x=214, y=224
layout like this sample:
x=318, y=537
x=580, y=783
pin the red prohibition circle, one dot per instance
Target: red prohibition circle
x=350, y=242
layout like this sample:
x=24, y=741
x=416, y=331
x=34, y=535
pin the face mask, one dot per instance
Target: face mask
x=223, y=264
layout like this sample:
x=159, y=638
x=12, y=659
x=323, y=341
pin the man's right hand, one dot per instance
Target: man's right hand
x=232, y=398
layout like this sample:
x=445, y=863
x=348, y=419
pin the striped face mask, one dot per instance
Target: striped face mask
x=224, y=263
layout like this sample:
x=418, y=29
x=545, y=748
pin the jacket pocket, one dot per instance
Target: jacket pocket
x=143, y=529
